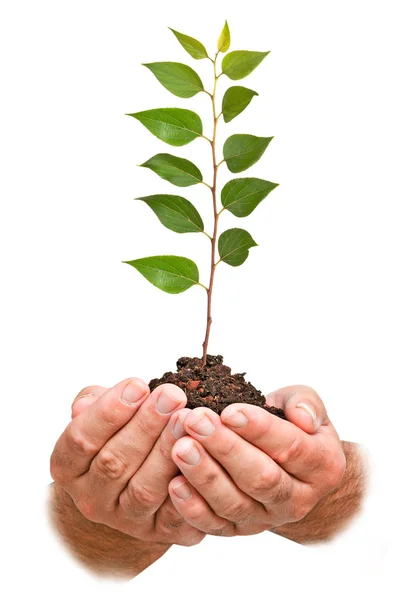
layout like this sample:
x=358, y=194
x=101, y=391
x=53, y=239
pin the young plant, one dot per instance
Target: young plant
x=177, y=127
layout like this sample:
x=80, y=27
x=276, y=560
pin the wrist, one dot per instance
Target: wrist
x=100, y=548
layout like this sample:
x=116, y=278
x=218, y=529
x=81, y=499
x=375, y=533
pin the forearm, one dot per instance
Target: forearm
x=102, y=549
x=334, y=512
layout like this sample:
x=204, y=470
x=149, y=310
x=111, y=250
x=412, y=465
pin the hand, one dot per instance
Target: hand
x=114, y=460
x=248, y=471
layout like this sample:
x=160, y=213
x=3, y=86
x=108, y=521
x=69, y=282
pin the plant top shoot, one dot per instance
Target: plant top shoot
x=178, y=127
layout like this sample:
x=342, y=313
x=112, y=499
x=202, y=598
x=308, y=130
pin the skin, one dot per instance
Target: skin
x=119, y=501
x=114, y=460
x=254, y=471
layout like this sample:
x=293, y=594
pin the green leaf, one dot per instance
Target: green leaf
x=241, y=151
x=176, y=213
x=233, y=246
x=191, y=45
x=235, y=101
x=179, y=171
x=172, y=274
x=176, y=77
x=240, y=63
x=176, y=126
x=224, y=40
x=241, y=196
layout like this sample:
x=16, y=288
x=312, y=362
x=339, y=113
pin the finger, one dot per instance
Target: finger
x=170, y=523
x=253, y=471
x=121, y=457
x=195, y=510
x=302, y=406
x=85, y=398
x=213, y=483
x=90, y=430
x=292, y=448
x=153, y=477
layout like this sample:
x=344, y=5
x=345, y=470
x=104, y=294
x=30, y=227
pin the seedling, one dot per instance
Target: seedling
x=178, y=127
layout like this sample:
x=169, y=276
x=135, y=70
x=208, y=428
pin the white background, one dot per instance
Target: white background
x=328, y=299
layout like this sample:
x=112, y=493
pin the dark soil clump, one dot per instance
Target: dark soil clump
x=213, y=386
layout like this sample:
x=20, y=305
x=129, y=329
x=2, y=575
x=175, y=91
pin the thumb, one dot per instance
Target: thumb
x=85, y=398
x=302, y=406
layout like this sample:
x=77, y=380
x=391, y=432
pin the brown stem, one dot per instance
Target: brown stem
x=214, y=235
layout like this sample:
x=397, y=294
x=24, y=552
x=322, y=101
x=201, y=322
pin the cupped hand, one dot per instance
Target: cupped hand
x=114, y=459
x=249, y=471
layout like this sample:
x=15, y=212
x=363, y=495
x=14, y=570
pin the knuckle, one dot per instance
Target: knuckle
x=223, y=531
x=262, y=424
x=140, y=500
x=265, y=480
x=208, y=479
x=192, y=539
x=87, y=508
x=56, y=470
x=236, y=512
x=279, y=494
x=298, y=510
x=109, y=465
x=165, y=452
x=169, y=523
x=336, y=471
x=79, y=442
x=196, y=512
x=148, y=425
x=293, y=452
x=109, y=416
x=174, y=523
x=256, y=529
x=228, y=447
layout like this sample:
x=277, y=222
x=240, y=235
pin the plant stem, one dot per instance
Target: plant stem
x=216, y=215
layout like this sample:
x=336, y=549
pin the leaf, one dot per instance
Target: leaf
x=176, y=126
x=241, y=151
x=176, y=213
x=242, y=196
x=233, y=246
x=235, y=101
x=240, y=63
x=191, y=45
x=176, y=77
x=224, y=40
x=172, y=274
x=179, y=171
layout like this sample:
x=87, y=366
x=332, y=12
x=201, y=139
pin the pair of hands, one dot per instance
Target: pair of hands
x=242, y=473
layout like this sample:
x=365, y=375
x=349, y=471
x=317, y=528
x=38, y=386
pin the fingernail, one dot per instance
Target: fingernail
x=236, y=419
x=133, y=392
x=169, y=400
x=183, y=491
x=178, y=429
x=188, y=452
x=310, y=411
x=204, y=426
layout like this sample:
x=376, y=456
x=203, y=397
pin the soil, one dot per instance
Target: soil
x=213, y=385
